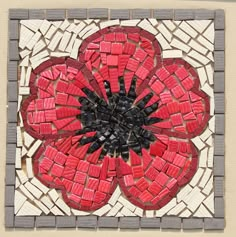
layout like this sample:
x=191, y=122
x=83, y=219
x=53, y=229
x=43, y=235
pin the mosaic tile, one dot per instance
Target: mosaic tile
x=116, y=118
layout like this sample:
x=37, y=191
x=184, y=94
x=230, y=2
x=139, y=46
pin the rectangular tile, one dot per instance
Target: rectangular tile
x=9, y=217
x=18, y=14
x=141, y=13
x=12, y=112
x=9, y=195
x=45, y=221
x=219, y=166
x=98, y=13
x=77, y=13
x=150, y=223
x=170, y=223
x=219, y=40
x=11, y=154
x=129, y=222
x=220, y=123
x=108, y=222
x=55, y=14
x=183, y=14
x=163, y=14
x=219, y=19
x=12, y=91
x=204, y=14
x=219, y=81
x=214, y=223
x=65, y=221
x=13, y=29
x=13, y=52
x=122, y=14
x=219, y=186
x=219, y=147
x=219, y=57
x=219, y=103
x=11, y=133
x=219, y=207
x=12, y=71
x=192, y=223
x=24, y=221
x=36, y=14
x=10, y=175
x=86, y=221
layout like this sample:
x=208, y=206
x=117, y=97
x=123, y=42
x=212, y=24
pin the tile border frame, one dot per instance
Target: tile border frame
x=215, y=223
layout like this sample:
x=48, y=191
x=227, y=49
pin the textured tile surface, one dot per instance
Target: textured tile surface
x=36, y=14
x=163, y=14
x=87, y=221
x=55, y=14
x=141, y=13
x=79, y=13
x=18, y=14
x=66, y=221
x=98, y=13
x=45, y=221
x=24, y=222
x=120, y=14
x=193, y=223
x=171, y=223
x=129, y=222
x=214, y=224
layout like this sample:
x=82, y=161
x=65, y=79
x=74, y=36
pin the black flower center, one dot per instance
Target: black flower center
x=118, y=123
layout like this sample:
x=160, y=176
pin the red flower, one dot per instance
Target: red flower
x=119, y=115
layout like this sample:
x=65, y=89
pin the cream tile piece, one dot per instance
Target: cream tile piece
x=29, y=209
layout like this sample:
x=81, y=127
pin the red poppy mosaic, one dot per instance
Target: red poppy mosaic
x=118, y=115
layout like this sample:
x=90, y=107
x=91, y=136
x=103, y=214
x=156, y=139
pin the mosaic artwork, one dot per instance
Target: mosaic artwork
x=115, y=120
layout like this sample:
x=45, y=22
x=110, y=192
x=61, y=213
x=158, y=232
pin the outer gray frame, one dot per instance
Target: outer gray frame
x=166, y=222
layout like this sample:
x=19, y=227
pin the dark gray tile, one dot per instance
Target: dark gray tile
x=9, y=217
x=18, y=13
x=65, y=221
x=219, y=103
x=11, y=133
x=12, y=91
x=129, y=222
x=12, y=112
x=141, y=13
x=214, y=223
x=9, y=195
x=183, y=14
x=97, y=13
x=10, y=176
x=24, y=222
x=13, y=50
x=171, y=223
x=163, y=14
x=87, y=221
x=192, y=223
x=77, y=13
x=219, y=207
x=219, y=166
x=108, y=222
x=12, y=71
x=45, y=221
x=219, y=40
x=55, y=14
x=219, y=81
x=150, y=222
x=219, y=148
x=37, y=14
x=219, y=19
x=220, y=123
x=122, y=14
x=219, y=186
x=11, y=154
x=204, y=14
x=219, y=57
x=13, y=30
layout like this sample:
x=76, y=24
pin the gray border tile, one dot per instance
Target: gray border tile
x=108, y=222
x=24, y=222
x=169, y=222
x=219, y=19
x=219, y=145
x=18, y=13
x=9, y=217
x=12, y=91
x=219, y=82
x=219, y=57
x=10, y=176
x=98, y=13
x=219, y=186
x=192, y=223
x=163, y=14
x=219, y=166
x=11, y=154
x=154, y=223
x=12, y=112
x=87, y=222
x=122, y=14
x=65, y=221
x=13, y=29
x=45, y=221
x=219, y=207
x=141, y=13
x=220, y=124
x=77, y=13
x=55, y=14
x=11, y=133
x=13, y=50
x=129, y=222
x=204, y=14
x=183, y=14
x=219, y=103
x=37, y=14
x=12, y=70
x=219, y=40
x=214, y=223
x=9, y=195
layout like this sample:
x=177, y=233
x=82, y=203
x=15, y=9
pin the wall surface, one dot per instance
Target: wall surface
x=230, y=192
